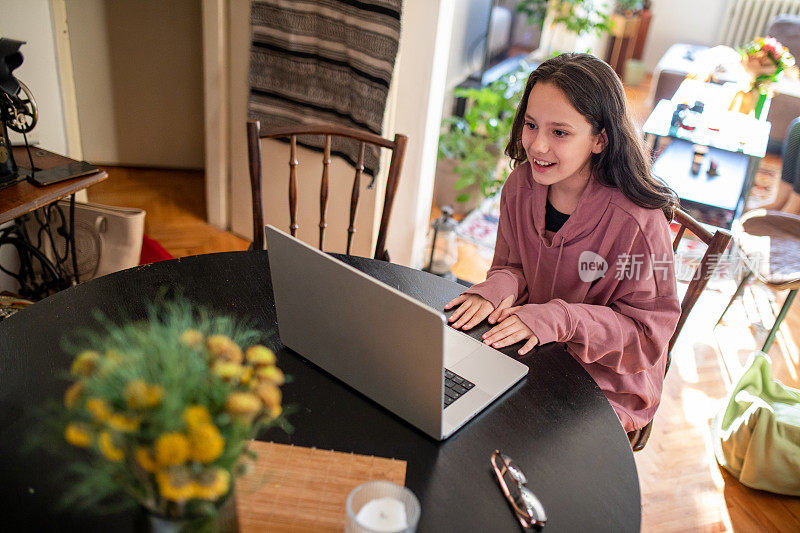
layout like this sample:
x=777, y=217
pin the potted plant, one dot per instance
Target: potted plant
x=567, y=25
x=161, y=411
x=471, y=147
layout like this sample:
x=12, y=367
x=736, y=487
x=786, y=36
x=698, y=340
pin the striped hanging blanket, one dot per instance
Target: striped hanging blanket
x=324, y=61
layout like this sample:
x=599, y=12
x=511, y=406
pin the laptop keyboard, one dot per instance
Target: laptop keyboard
x=454, y=387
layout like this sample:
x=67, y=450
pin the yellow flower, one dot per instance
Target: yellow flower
x=121, y=422
x=259, y=355
x=222, y=347
x=154, y=395
x=77, y=435
x=172, y=449
x=227, y=370
x=213, y=484
x=247, y=375
x=71, y=396
x=272, y=374
x=269, y=394
x=139, y=394
x=176, y=485
x=192, y=338
x=207, y=443
x=85, y=363
x=242, y=403
x=194, y=415
x=145, y=459
x=106, y=444
x=275, y=411
x=99, y=409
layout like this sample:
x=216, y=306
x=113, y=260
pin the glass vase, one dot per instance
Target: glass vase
x=225, y=520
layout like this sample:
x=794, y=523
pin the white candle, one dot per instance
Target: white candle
x=383, y=514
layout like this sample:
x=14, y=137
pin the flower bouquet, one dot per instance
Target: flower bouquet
x=164, y=409
x=764, y=60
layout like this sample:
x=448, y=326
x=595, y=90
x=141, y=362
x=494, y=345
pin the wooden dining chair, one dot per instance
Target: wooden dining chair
x=716, y=243
x=397, y=147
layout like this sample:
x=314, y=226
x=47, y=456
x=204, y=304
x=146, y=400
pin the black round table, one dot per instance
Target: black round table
x=556, y=424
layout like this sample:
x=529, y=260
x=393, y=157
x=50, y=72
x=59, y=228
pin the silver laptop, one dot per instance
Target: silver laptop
x=388, y=346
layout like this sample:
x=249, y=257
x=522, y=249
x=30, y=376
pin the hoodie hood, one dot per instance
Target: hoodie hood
x=592, y=205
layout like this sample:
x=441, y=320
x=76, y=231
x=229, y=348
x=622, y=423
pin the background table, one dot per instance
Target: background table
x=556, y=424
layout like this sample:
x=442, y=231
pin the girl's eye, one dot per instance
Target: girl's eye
x=530, y=125
x=560, y=133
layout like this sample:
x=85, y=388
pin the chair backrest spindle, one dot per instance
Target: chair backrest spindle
x=397, y=147
x=354, y=195
x=323, y=189
x=293, y=186
x=254, y=162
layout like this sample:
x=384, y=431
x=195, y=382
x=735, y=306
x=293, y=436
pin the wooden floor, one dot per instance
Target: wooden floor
x=683, y=489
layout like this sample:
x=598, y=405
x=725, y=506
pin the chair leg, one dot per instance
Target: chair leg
x=736, y=294
x=781, y=315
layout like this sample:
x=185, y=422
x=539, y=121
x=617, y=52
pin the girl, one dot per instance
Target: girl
x=583, y=252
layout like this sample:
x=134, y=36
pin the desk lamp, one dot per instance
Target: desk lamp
x=18, y=109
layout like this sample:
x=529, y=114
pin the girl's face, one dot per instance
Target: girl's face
x=557, y=139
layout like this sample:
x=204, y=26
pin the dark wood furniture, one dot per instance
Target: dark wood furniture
x=556, y=423
x=24, y=197
x=716, y=243
x=43, y=268
x=397, y=147
x=769, y=244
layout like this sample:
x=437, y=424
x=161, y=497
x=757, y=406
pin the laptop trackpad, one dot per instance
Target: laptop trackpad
x=457, y=346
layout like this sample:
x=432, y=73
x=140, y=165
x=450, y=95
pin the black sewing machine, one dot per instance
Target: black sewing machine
x=18, y=110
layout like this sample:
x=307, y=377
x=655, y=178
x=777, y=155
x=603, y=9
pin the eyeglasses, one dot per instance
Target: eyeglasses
x=523, y=502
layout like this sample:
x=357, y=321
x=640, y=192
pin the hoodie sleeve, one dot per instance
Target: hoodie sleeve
x=629, y=334
x=505, y=277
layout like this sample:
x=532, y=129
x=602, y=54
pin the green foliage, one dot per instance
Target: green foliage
x=623, y=6
x=477, y=140
x=175, y=373
x=579, y=16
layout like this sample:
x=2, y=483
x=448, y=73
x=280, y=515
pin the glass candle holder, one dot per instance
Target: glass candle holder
x=382, y=507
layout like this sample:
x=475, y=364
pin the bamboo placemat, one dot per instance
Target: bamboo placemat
x=298, y=489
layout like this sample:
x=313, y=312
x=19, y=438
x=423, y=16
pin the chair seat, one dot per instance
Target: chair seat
x=770, y=241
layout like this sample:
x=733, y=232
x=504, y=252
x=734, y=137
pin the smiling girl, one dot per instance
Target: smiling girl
x=583, y=253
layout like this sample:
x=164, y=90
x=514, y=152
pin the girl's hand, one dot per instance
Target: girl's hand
x=473, y=309
x=510, y=330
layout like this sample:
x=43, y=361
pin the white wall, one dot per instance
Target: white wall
x=682, y=21
x=31, y=21
x=420, y=76
x=138, y=79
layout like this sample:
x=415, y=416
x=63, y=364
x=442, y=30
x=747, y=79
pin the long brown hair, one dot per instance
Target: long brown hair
x=595, y=91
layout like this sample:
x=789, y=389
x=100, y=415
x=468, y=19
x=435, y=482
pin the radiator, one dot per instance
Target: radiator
x=747, y=19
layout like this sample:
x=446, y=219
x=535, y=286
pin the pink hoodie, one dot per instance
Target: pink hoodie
x=617, y=325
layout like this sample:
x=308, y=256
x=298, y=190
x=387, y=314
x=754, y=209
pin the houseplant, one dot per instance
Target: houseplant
x=475, y=142
x=162, y=410
x=578, y=16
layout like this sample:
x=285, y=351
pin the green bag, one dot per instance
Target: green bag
x=757, y=434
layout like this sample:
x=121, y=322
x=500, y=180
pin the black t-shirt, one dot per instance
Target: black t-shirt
x=553, y=220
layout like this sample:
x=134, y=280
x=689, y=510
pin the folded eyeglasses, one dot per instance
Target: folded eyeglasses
x=526, y=506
